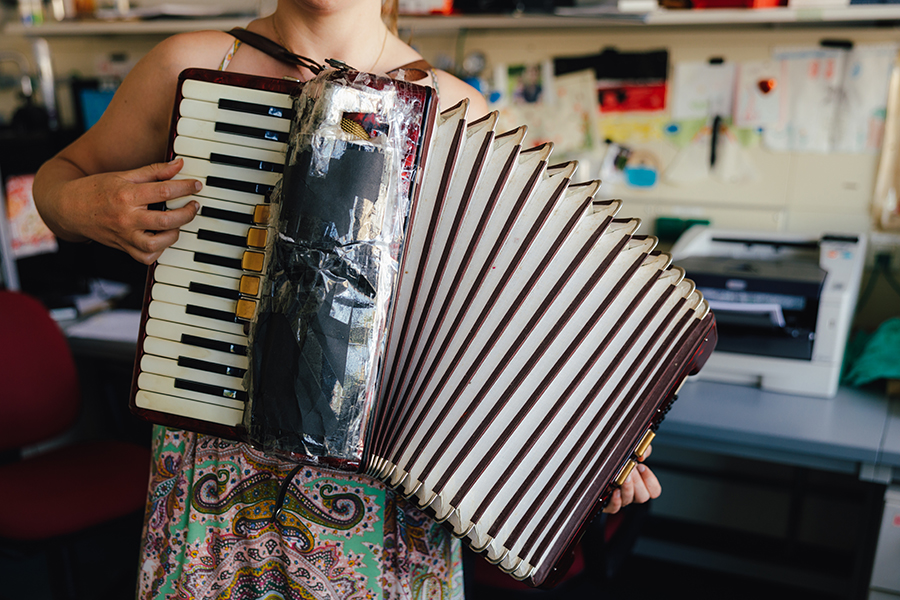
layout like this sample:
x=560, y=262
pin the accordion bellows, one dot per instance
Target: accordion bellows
x=436, y=305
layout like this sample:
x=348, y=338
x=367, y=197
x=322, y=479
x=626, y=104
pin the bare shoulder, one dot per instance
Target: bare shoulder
x=453, y=90
x=204, y=49
x=155, y=76
x=134, y=128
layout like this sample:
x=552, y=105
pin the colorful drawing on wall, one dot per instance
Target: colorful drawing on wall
x=29, y=234
x=568, y=119
x=626, y=81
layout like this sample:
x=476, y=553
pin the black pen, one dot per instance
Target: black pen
x=714, y=140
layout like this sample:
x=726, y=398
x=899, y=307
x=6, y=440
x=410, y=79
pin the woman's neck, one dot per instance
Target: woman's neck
x=352, y=31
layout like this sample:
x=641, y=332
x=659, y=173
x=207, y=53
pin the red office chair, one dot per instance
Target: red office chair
x=46, y=498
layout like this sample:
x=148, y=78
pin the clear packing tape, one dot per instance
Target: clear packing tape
x=336, y=232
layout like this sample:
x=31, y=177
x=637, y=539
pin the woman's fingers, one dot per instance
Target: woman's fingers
x=650, y=481
x=640, y=486
x=615, y=503
x=127, y=217
x=165, y=220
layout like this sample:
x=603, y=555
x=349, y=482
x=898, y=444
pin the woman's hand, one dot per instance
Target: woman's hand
x=114, y=208
x=640, y=486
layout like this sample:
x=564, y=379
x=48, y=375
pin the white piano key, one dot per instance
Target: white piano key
x=198, y=167
x=185, y=259
x=188, y=146
x=189, y=241
x=218, y=225
x=212, y=92
x=177, y=314
x=206, y=409
x=179, y=295
x=176, y=332
x=173, y=350
x=219, y=193
x=235, y=207
x=153, y=382
x=209, y=111
x=157, y=365
x=183, y=278
x=206, y=130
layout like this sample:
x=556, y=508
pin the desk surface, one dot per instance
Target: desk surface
x=856, y=426
x=890, y=449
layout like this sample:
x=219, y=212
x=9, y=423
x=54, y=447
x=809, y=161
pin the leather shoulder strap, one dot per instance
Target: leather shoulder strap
x=274, y=49
x=413, y=71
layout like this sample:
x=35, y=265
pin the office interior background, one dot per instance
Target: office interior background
x=766, y=491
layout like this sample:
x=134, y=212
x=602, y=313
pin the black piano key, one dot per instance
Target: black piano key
x=202, y=365
x=210, y=313
x=221, y=261
x=212, y=290
x=226, y=215
x=201, y=342
x=254, y=132
x=246, y=163
x=222, y=238
x=239, y=186
x=251, y=108
x=212, y=390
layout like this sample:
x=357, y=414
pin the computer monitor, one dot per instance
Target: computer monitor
x=90, y=98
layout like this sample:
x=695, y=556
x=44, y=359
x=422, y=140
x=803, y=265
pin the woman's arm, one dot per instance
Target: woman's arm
x=101, y=185
x=452, y=90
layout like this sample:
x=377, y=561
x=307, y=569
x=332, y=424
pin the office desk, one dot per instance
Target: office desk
x=857, y=433
x=857, y=430
x=890, y=447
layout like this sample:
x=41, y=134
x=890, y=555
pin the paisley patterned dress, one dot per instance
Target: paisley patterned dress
x=211, y=530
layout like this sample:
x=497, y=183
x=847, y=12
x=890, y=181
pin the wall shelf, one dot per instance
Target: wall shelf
x=857, y=14
x=98, y=27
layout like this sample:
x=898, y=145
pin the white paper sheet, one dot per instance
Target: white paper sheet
x=701, y=89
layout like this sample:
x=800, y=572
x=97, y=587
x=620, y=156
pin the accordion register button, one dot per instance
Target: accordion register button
x=261, y=214
x=249, y=285
x=644, y=444
x=625, y=472
x=245, y=309
x=256, y=237
x=253, y=261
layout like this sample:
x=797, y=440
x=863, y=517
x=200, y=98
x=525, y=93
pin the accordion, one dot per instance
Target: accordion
x=376, y=286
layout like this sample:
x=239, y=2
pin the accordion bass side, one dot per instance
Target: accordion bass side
x=374, y=286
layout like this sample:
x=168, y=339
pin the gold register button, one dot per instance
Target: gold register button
x=261, y=214
x=246, y=309
x=256, y=237
x=249, y=285
x=253, y=261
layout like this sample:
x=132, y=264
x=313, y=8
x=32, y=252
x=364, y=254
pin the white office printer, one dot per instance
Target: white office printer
x=783, y=304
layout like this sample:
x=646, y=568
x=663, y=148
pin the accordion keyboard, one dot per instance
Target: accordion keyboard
x=233, y=140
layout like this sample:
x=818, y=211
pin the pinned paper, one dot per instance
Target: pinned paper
x=861, y=115
x=703, y=89
x=833, y=99
x=758, y=95
x=692, y=164
x=811, y=82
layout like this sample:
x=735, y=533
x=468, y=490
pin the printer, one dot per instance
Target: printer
x=783, y=303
